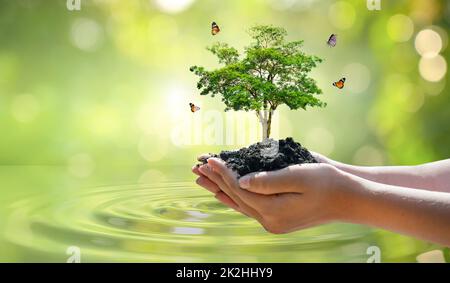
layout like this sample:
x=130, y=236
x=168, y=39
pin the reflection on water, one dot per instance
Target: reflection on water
x=168, y=222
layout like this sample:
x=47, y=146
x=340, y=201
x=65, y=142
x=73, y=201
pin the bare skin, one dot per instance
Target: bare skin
x=434, y=176
x=307, y=195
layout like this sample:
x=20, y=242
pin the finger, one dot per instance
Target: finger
x=206, y=171
x=219, y=166
x=226, y=200
x=204, y=182
x=196, y=171
x=203, y=157
x=207, y=184
x=230, y=178
x=323, y=159
x=319, y=157
x=217, y=178
x=223, y=198
x=269, y=183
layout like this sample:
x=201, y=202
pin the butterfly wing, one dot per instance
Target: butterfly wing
x=332, y=40
x=194, y=108
x=215, y=31
x=340, y=84
x=214, y=28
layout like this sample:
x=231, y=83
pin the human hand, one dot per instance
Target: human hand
x=324, y=159
x=289, y=199
x=305, y=195
x=431, y=176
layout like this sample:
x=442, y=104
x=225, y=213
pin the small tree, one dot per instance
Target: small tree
x=273, y=72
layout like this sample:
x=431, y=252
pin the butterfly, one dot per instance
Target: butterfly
x=193, y=107
x=340, y=84
x=332, y=40
x=214, y=28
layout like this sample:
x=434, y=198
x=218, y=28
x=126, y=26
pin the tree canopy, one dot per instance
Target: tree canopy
x=271, y=72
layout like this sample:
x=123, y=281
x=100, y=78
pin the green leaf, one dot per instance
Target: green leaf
x=271, y=72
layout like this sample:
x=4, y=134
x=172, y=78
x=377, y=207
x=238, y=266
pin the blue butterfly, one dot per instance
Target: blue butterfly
x=332, y=40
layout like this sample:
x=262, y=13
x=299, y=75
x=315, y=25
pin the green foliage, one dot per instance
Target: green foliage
x=271, y=72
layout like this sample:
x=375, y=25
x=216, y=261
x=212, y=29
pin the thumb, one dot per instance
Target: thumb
x=268, y=183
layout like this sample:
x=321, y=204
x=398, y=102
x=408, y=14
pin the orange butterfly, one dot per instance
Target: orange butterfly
x=193, y=107
x=214, y=28
x=340, y=84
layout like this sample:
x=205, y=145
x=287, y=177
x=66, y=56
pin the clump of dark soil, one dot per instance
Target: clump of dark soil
x=267, y=155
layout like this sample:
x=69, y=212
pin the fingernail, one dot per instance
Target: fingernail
x=244, y=182
x=210, y=165
x=211, y=160
x=213, y=164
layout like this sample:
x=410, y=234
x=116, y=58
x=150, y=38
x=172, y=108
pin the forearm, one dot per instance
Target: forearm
x=419, y=213
x=431, y=176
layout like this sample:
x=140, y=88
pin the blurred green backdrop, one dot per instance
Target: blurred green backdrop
x=113, y=77
x=105, y=88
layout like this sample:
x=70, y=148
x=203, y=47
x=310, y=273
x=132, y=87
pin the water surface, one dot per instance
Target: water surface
x=163, y=217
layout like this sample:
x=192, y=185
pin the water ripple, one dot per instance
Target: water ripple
x=162, y=222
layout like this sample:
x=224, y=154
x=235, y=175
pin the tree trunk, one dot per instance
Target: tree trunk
x=265, y=118
x=269, y=123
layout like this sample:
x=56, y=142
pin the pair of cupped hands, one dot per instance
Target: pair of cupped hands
x=282, y=201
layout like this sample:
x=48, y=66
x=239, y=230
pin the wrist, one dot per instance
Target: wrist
x=347, y=196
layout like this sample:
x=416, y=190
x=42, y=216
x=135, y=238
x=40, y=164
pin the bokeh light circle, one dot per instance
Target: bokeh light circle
x=86, y=34
x=434, y=256
x=433, y=69
x=173, y=6
x=24, y=108
x=284, y=5
x=359, y=75
x=428, y=43
x=400, y=28
x=342, y=15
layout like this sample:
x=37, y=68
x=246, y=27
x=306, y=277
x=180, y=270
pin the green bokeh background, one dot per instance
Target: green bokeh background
x=95, y=91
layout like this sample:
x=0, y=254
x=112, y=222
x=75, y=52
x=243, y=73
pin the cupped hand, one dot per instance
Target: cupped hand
x=285, y=200
x=324, y=159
